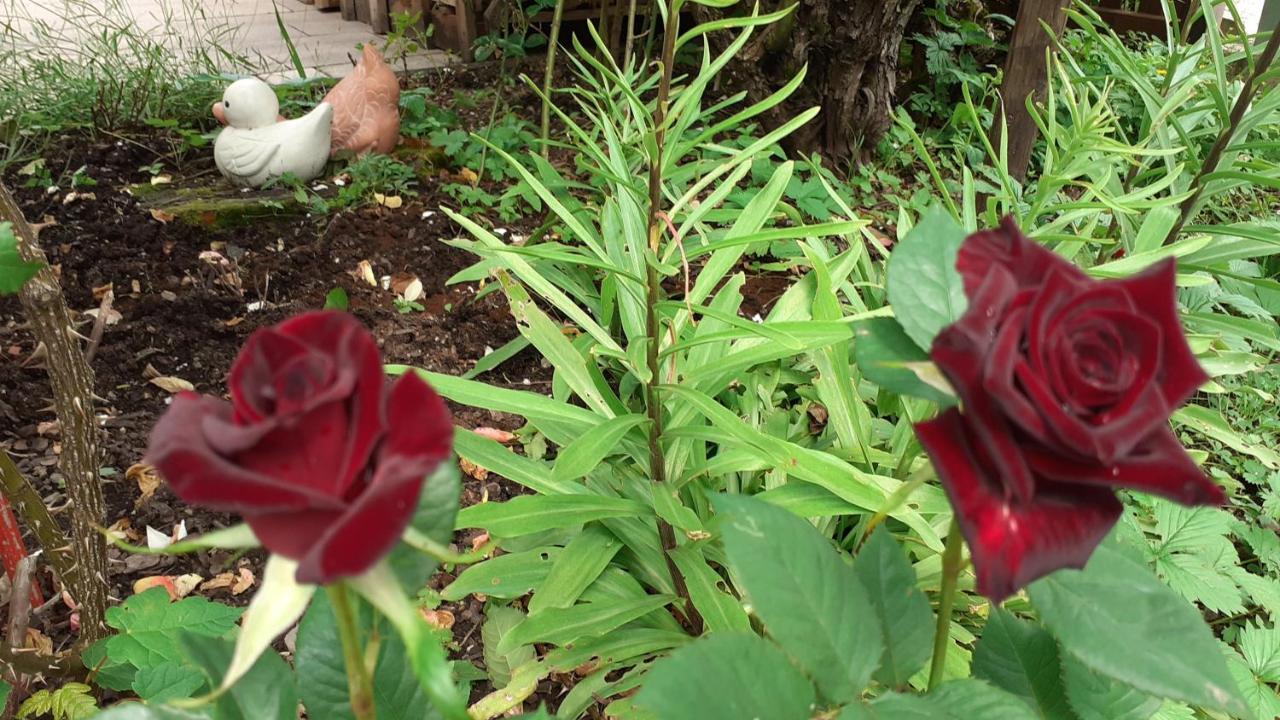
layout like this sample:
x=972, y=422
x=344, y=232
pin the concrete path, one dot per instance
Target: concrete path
x=324, y=40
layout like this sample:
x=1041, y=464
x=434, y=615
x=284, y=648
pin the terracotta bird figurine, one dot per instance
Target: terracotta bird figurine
x=366, y=107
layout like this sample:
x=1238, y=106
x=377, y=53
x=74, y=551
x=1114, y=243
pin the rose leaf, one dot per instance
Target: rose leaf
x=925, y=289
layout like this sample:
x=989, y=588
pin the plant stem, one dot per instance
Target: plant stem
x=71, y=379
x=359, y=684
x=552, y=45
x=28, y=503
x=950, y=572
x=653, y=329
x=1210, y=163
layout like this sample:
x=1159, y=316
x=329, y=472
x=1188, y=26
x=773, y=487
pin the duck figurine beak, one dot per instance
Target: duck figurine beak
x=220, y=113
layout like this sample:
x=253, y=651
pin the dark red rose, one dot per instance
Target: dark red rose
x=1066, y=385
x=323, y=459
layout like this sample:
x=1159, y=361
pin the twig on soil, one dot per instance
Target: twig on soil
x=99, y=326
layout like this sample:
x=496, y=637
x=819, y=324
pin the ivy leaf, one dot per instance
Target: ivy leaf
x=14, y=271
x=925, y=289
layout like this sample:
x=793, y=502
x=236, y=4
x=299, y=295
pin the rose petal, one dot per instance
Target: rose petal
x=252, y=377
x=308, y=452
x=1154, y=292
x=360, y=365
x=961, y=352
x=179, y=450
x=1014, y=542
x=1158, y=465
x=419, y=438
x=1007, y=247
x=294, y=533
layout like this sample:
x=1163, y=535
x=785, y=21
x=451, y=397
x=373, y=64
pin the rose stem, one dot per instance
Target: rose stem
x=359, y=684
x=950, y=572
x=657, y=459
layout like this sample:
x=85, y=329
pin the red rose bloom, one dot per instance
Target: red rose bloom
x=322, y=458
x=1066, y=384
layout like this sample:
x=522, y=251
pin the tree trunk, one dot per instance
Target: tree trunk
x=72, y=382
x=1025, y=75
x=851, y=48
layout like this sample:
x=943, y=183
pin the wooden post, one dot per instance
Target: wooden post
x=1025, y=73
x=378, y=17
x=348, y=8
x=467, y=30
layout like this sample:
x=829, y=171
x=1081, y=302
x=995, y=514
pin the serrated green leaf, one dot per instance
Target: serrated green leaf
x=810, y=600
x=148, y=625
x=336, y=300
x=1261, y=697
x=72, y=701
x=1097, y=697
x=322, y=676
x=955, y=700
x=170, y=681
x=437, y=511
x=884, y=353
x=1022, y=658
x=266, y=692
x=498, y=622
x=925, y=289
x=905, y=618
x=132, y=710
x=728, y=676
x=1119, y=620
x=528, y=514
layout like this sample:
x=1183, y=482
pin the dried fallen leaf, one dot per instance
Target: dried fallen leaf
x=442, y=619
x=142, y=585
x=479, y=540
x=245, y=581
x=49, y=427
x=466, y=175
x=161, y=179
x=122, y=529
x=364, y=271
x=113, y=315
x=495, y=434
x=150, y=372
x=219, y=581
x=38, y=641
x=233, y=321
x=148, y=481
x=186, y=583
x=390, y=201
x=161, y=216
x=102, y=290
x=172, y=385
x=407, y=286
x=473, y=469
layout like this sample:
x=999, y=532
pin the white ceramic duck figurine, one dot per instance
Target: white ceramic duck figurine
x=254, y=148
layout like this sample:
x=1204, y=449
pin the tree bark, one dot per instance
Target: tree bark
x=851, y=48
x=72, y=382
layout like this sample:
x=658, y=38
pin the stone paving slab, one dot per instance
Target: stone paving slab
x=324, y=41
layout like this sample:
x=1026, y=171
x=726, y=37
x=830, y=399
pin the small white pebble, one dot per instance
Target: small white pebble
x=427, y=213
x=500, y=231
x=320, y=188
x=757, y=318
x=254, y=306
x=488, y=350
x=525, y=382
